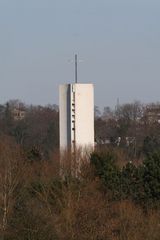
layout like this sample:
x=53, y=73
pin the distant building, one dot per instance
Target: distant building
x=18, y=114
x=152, y=113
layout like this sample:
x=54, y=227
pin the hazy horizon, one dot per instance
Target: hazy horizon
x=117, y=41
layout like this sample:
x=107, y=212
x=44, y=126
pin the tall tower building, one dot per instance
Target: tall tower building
x=76, y=116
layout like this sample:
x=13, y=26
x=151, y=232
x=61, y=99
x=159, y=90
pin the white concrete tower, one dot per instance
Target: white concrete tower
x=76, y=116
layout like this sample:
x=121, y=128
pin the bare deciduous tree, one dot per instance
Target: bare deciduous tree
x=11, y=170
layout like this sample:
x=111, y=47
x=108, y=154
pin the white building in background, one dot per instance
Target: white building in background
x=18, y=114
x=76, y=102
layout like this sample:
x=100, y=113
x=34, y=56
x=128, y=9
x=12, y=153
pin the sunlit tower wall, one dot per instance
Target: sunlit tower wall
x=76, y=103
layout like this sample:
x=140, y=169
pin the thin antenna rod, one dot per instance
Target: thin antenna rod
x=76, y=69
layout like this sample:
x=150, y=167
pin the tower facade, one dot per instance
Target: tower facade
x=76, y=103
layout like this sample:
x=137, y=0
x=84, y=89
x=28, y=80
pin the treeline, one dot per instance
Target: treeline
x=116, y=195
x=111, y=199
x=35, y=128
x=134, y=127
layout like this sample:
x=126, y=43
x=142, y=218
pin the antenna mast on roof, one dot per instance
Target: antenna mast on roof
x=76, y=68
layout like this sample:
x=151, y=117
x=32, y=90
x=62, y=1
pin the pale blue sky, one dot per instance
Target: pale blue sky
x=118, y=41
